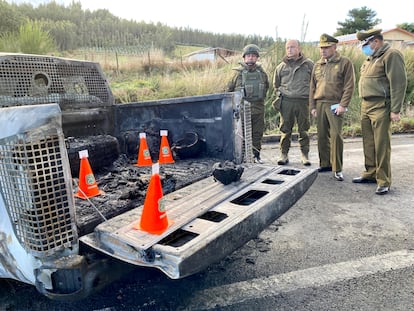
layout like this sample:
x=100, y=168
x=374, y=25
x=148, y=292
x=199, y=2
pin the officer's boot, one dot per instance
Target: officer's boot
x=257, y=159
x=283, y=159
x=305, y=159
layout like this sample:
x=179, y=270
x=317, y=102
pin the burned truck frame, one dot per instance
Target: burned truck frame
x=50, y=108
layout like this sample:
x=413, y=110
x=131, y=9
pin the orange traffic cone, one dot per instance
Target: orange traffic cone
x=87, y=184
x=144, y=156
x=154, y=218
x=165, y=151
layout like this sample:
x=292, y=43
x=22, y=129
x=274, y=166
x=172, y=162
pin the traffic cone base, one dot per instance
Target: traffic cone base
x=165, y=155
x=138, y=226
x=81, y=194
x=88, y=187
x=154, y=218
x=144, y=155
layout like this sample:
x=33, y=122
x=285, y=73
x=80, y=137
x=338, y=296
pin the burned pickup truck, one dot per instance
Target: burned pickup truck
x=52, y=109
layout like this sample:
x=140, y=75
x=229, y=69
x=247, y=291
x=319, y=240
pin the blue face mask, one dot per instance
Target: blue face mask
x=367, y=50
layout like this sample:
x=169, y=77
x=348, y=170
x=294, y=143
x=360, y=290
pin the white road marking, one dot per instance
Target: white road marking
x=230, y=294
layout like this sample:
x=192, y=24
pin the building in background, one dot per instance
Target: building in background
x=397, y=37
x=211, y=54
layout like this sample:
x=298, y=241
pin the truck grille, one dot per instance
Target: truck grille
x=36, y=192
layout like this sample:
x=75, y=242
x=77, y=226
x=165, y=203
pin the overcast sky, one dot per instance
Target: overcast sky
x=284, y=19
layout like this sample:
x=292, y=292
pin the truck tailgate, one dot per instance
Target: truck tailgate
x=209, y=220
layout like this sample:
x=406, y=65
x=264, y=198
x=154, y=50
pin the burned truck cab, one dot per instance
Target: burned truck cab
x=50, y=109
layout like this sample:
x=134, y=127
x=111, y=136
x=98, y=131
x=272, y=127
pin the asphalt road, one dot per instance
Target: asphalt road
x=340, y=247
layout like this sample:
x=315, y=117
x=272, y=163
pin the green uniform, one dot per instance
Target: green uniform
x=382, y=88
x=291, y=83
x=254, y=82
x=332, y=82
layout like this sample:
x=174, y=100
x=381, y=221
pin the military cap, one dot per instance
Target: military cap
x=327, y=40
x=365, y=36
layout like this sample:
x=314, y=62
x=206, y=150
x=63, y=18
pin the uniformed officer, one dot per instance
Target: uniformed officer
x=331, y=87
x=382, y=87
x=291, y=84
x=251, y=78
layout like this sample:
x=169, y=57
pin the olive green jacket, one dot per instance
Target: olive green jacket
x=292, y=77
x=332, y=81
x=383, y=75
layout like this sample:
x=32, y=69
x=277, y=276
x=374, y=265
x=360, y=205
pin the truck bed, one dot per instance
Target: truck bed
x=124, y=186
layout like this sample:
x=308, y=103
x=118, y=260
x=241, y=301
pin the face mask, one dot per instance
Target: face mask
x=366, y=49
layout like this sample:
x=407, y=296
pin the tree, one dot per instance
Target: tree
x=359, y=19
x=407, y=26
x=33, y=39
x=72, y=28
x=10, y=18
x=63, y=32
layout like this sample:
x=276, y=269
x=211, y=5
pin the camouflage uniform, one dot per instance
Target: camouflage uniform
x=256, y=101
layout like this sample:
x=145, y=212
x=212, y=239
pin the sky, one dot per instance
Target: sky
x=277, y=19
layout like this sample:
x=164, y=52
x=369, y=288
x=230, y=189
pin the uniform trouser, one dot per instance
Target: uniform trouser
x=291, y=111
x=330, y=141
x=258, y=124
x=376, y=137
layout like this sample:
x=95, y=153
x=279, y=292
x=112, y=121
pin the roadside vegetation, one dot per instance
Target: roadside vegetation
x=147, y=61
x=137, y=78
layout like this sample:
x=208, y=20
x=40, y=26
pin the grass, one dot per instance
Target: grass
x=153, y=75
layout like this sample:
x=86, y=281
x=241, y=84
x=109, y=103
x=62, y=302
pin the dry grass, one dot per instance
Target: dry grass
x=147, y=78
x=151, y=75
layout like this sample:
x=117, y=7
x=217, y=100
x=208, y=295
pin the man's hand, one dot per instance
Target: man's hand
x=395, y=117
x=340, y=110
x=314, y=113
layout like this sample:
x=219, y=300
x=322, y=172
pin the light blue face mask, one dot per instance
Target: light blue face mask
x=367, y=50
